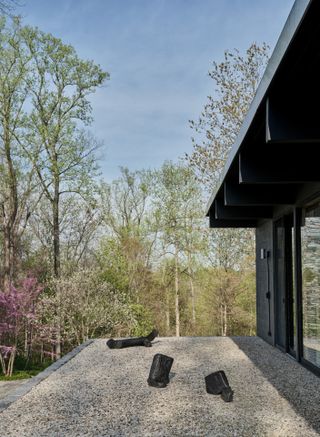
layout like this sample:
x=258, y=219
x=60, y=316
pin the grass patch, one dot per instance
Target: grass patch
x=25, y=370
x=20, y=374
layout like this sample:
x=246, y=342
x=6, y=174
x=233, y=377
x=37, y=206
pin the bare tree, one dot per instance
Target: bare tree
x=8, y=7
x=236, y=79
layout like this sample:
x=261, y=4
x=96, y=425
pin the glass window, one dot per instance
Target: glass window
x=310, y=253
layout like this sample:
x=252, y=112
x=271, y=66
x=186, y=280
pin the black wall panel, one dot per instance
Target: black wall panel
x=264, y=281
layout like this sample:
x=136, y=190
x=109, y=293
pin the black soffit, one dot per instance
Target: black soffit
x=276, y=149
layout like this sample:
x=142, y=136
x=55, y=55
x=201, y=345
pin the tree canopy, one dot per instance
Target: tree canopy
x=81, y=257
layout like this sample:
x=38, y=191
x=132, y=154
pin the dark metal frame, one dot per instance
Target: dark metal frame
x=289, y=286
x=296, y=285
x=275, y=287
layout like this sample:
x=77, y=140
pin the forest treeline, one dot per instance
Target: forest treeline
x=83, y=258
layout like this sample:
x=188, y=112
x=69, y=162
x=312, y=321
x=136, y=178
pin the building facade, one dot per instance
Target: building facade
x=271, y=182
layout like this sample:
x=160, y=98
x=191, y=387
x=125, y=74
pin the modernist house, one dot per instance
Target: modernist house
x=271, y=182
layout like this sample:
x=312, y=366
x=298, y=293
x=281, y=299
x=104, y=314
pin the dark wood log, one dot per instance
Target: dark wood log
x=217, y=384
x=159, y=372
x=136, y=341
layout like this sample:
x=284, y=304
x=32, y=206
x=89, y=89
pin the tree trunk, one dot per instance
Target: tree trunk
x=7, y=258
x=193, y=302
x=58, y=337
x=56, y=236
x=9, y=208
x=56, y=258
x=177, y=309
x=221, y=320
x=225, y=320
x=11, y=362
x=42, y=353
x=26, y=339
x=168, y=311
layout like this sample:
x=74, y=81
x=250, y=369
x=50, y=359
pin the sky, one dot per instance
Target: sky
x=158, y=54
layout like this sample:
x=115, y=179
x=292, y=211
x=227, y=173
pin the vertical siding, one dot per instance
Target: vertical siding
x=264, y=240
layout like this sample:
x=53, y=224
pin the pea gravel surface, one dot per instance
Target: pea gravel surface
x=104, y=392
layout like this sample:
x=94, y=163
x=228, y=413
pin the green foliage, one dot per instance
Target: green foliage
x=143, y=324
x=244, y=313
x=226, y=300
x=113, y=264
x=135, y=254
x=86, y=306
x=24, y=369
x=178, y=199
x=308, y=274
x=226, y=290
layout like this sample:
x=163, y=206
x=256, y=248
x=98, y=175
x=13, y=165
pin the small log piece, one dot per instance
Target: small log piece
x=217, y=384
x=159, y=372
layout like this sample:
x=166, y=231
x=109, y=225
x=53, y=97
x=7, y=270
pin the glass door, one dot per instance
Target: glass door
x=284, y=296
x=310, y=266
x=291, y=292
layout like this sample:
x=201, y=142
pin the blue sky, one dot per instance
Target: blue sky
x=158, y=53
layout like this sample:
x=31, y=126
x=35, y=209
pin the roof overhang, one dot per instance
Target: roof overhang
x=276, y=148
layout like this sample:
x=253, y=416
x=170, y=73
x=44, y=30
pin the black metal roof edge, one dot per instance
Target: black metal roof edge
x=290, y=28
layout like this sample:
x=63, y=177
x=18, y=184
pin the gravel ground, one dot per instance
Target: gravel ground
x=103, y=392
x=7, y=387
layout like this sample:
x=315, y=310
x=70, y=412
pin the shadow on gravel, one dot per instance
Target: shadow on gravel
x=300, y=387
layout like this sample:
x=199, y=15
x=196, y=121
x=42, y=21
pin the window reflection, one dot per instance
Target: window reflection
x=310, y=251
x=292, y=305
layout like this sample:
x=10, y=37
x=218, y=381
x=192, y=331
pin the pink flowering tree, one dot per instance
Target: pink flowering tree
x=17, y=321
